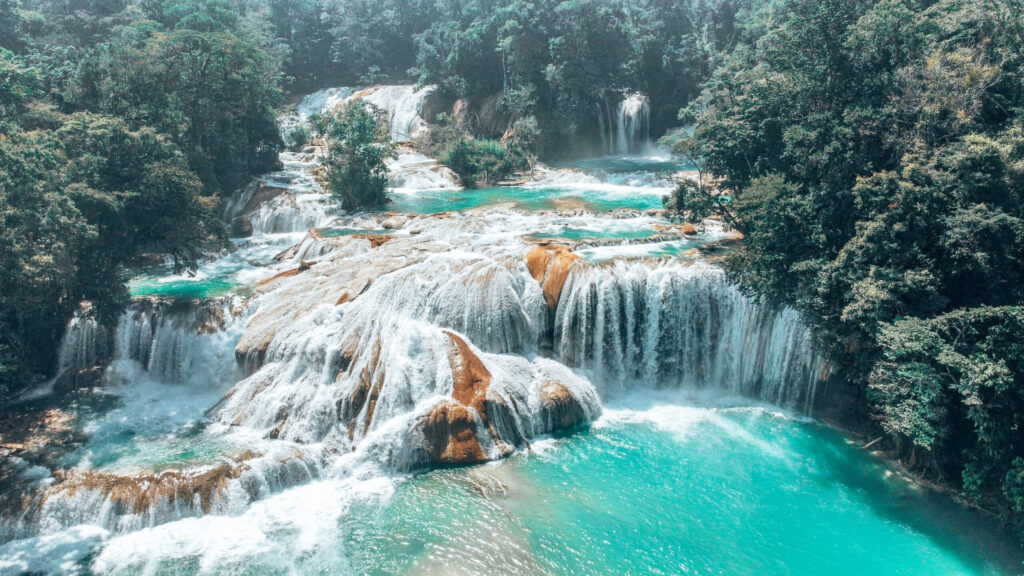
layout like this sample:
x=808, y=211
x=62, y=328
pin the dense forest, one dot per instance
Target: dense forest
x=871, y=153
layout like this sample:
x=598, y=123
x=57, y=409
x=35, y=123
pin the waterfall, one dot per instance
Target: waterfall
x=355, y=352
x=403, y=105
x=178, y=341
x=672, y=325
x=122, y=503
x=84, y=348
x=628, y=131
x=413, y=172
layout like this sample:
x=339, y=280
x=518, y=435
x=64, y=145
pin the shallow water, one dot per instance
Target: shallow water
x=591, y=198
x=220, y=276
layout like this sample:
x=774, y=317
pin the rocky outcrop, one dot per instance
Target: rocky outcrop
x=136, y=494
x=263, y=194
x=407, y=349
x=376, y=240
x=469, y=375
x=549, y=264
x=560, y=409
x=450, y=431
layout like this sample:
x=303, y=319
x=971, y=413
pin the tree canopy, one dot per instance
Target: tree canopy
x=870, y=152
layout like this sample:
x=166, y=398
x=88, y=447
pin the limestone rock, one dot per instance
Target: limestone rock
x=560, y=409
x=549, y=264
x=450, y=432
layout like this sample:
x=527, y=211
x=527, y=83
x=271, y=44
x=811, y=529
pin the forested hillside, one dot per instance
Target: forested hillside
x=873, y=155
x=120, y=126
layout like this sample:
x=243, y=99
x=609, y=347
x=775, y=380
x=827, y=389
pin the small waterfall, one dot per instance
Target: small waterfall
x=403, y=105
x=122, y=503
x=178, y=341
x=84, y=348
x=627, y=130
x=413, y=172
x=291, y=200
x=86, y=343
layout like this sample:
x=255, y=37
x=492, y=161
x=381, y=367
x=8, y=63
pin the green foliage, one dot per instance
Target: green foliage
x=478, y=161
x=951, y=388
x=212, y=92
x=297, y=137
x=872, y=152
x=482, y=161
x=116, y=129
x=358, y=145
x=12, y=25
x=41, y=235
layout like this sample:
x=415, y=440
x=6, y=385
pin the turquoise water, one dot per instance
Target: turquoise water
x=572, y=233
x=657, y=162
x=678, y=490
x=596, y=200
x=668, y=249
x=186, y=289
x=217, y=277
x=651, y=488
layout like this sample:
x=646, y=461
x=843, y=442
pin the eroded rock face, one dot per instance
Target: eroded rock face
x=241, y=227
x=136, y=494
x=549, y=264
x=560, y=409
x=450, y=430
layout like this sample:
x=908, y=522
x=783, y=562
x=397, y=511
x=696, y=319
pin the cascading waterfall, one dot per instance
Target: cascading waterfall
x=673, y=325
x=163, y=349
x=176, y=341
x=85, y=344
x=633, y=124
x=403, y=105
x=291, y=200
x=373, y=324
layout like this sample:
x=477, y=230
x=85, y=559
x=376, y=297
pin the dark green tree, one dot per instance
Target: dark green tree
x=358, y=144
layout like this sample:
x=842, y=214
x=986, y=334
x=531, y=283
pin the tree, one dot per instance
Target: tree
x=358, y=144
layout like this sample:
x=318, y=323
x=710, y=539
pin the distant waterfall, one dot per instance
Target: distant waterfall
x=403, y=105
x=625, y=127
